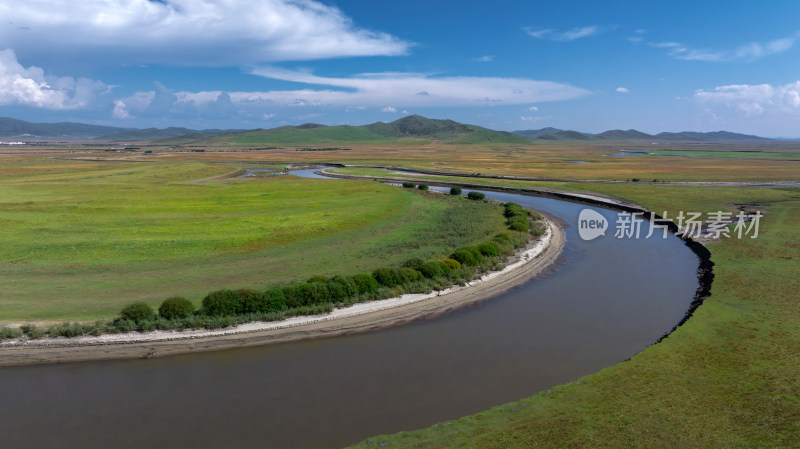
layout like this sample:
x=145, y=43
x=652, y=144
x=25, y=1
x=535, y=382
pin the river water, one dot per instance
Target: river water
x=604, y=301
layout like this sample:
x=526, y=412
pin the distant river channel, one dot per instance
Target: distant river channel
x=604, y=301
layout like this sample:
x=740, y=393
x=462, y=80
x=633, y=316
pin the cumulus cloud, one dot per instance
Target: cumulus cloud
x=533, y=108
x=389, y=109
x=195, y=32
x=749, y=52
x=754, y=99
x=30, y=86
x=622, y=90
x=558, y=35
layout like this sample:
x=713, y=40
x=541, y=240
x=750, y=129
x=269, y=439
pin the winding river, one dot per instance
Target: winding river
x=604, y=301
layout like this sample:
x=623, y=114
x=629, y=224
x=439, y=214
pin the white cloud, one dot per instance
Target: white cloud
x=622, y=90
x=485, y=58
x=400, y=90
x=196, y=32
x=31, y=87
x=749, y=52
x=269, y=116
x=556, y=35
x=120, y=110
x=414, y=89
x=755, y=99
x=533, y=108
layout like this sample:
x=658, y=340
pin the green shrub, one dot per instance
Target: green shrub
x=317, y=278
x=249, y=300
x=221, y=303
x=489, y=249
x=137, y=312
x=477, y=196
x=175, y=307
x=414, y=263
x=455, y=190
x=409, y=185
x=10, y=332
x=388, y=277
x=502, y=238
x=409, y=274
x=342, y=288
x=467, y=256
x=452, y=264
x=365, y=283
x=273, y=300
x=423, y=187
x=512, y=209
x=297, y=295
x=318, y=293
x=518, y=223
x=434, y=269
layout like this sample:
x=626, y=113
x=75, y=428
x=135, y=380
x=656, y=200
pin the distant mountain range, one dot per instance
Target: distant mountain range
x=412, y=127
x=632, y=134
x=22, y=130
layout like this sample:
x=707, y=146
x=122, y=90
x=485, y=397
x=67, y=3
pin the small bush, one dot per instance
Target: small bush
x=414, y=263
x=502, y=238
x=477, y=196
x=365, y=283
x=409, y=275
x=10, y=332
x=489, y=249
x=434, y=269
x=409, y=185
x=452, y=264
x=297, y=295
x=318, y=293
x=137, y=312
x=317, y=278
x=221, y=303
x=518, y=223
x=273, y=300
x=467, y=256
x=249, y=300
x=455, y=190
x=423, y=187
x=388, y=277
x=175, y=307
x=342, y=288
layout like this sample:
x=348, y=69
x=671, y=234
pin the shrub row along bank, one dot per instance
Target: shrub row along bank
x=318, y=295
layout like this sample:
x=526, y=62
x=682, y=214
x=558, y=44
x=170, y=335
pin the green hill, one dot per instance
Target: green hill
x=412, y=127
x=20, y=129
x=307, y=134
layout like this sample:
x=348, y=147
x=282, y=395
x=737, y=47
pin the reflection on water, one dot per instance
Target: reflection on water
x=606, y=300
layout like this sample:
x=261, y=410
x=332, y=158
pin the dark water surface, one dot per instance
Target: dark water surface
x=605, y=300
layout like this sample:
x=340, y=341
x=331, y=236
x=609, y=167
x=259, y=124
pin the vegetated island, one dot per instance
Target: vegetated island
x=522, y=265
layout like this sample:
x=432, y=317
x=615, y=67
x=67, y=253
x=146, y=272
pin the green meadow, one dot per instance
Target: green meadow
x=82, y=239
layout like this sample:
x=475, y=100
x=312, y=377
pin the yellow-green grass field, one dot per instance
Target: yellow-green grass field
x=82, y=239
x=726, y=378
x=780, y=161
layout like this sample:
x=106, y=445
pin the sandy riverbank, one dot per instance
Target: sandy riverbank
x=363, y=317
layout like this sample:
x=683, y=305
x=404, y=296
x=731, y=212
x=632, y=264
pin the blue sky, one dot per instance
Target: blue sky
x=584, y=65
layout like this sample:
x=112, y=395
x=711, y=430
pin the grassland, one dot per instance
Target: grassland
x=726, y=378
x=82, y=239
x=562, y=160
